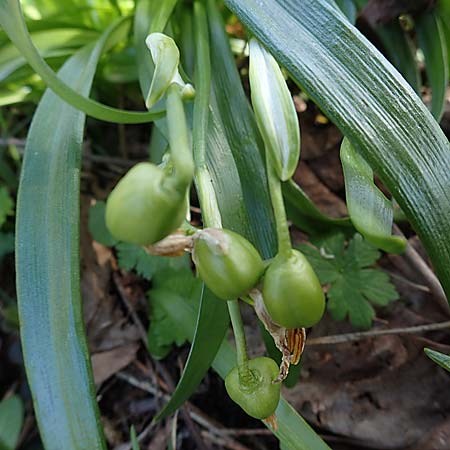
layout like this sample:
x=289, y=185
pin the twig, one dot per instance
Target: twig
x=140, y=437
x=350, y=337
x=224, y=442
x=414, y=258
x=131, y=310
x=419, y=287
x=197, y=416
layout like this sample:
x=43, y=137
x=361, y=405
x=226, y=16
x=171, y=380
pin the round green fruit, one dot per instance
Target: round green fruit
x=228, y=264
x=292, y=293
x=254, y=392
x=142, y=209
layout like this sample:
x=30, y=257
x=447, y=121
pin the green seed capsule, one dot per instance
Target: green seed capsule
x=228, y=264
x=257, y=395
x=292, y=293
x=143, y=209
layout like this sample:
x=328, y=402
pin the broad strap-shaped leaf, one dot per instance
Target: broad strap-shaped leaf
x=210, y=329
x=12, y=21
x=305, y=214
x=370, y=211
x=47, y=257
x=431, y=39
x=438, y=358
x=370, y=102
x=234, y=116
x=401, y=52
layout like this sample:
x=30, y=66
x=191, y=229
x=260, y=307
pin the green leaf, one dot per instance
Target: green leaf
x=48, y=278
x=134, y=439
x=354, y=287
x=293, y=432
x=11, y=19
x=212, y=324
x=169, y=287
x=6, y=205
x=371, y=212
x=97, y=225
x=401, y=52
x=235, y=148
x=133, y=257
x=6, y=244
x=348, y=7
x=359, y=90
x=11, y=420
x=431, y=39
x=305, y=214
x=438, y=358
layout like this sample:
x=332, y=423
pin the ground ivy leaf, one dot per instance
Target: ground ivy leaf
x=133, y=257
x=169, y=287
x=360, y=252
x=354, y=286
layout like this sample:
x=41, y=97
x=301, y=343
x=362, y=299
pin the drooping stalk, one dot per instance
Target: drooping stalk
x=12, y=21
x=205, y=190
x=180, y=152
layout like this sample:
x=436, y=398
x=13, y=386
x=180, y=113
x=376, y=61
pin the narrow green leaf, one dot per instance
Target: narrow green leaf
x=233, y=121
x=48, y=278
x=348, y=7
x=212, y=324
x=438, y=358
x=371, y=212
x=12, y=21
x=11, y=420
x=134, y=439
x=431, y=38
x=305, y=214
x=367, y=99
x=401, y=52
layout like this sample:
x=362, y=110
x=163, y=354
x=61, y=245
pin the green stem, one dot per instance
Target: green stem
x=276, y=197
x=239, y=335
x=12, y=21
x=180, y=150
x=205, y=189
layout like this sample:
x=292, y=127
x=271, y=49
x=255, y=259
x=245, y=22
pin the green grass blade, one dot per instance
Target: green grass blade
x=371, y=212
x=244, y=141
x=438, y=358
x=305, y=214
x=431, y=38
x=12, y=21
x=370, y=102
x=48, y=279
x=212, y=324
x=401, y=52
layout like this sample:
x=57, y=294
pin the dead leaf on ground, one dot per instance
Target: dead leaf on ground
x=106, y=364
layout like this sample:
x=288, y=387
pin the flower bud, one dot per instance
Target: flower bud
x=257, y=395
x=142, y=209
x=166, y=57
x=274, y=110
x=292, y=293
x=228, y=264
